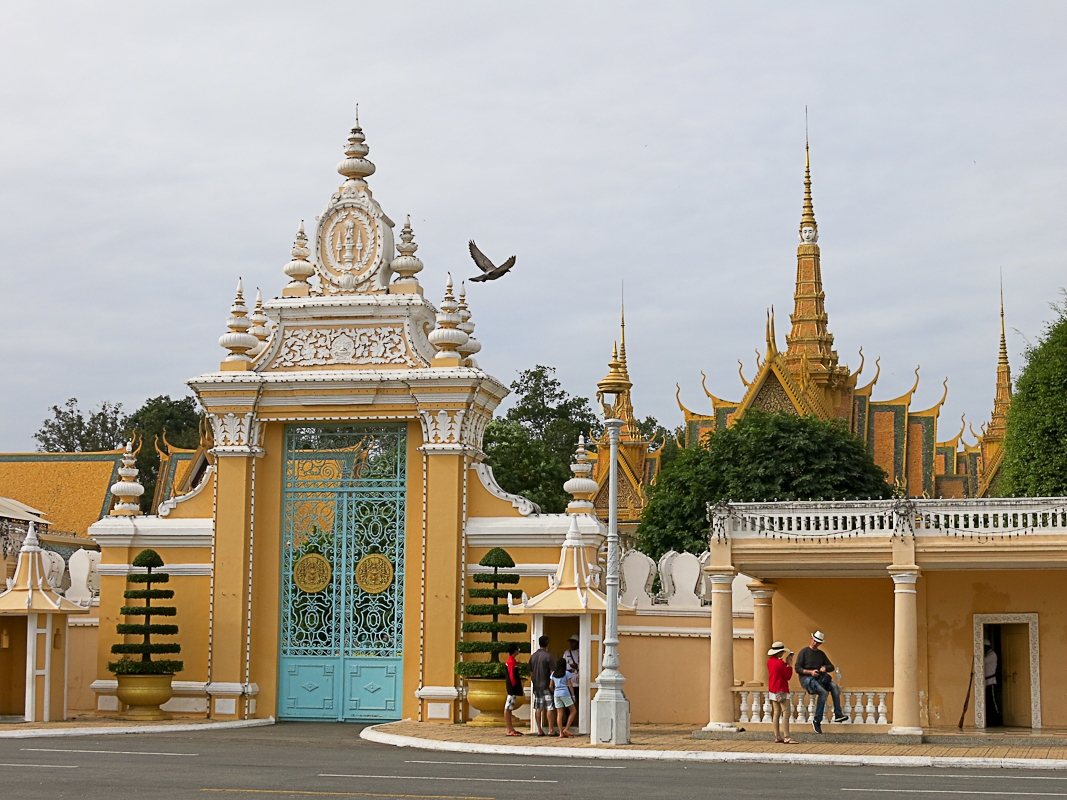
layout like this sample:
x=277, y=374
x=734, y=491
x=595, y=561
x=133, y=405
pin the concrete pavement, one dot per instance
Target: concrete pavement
x=309, y=760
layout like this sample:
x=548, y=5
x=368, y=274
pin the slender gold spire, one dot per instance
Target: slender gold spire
x=1002, y=399
x=622, y=341
x=807, y=217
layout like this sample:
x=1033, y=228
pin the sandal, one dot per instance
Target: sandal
x=515, y=733
x=779, y=741
x=790, y=741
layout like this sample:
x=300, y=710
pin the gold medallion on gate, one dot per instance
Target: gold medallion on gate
x=312, y=573
x=374, y=573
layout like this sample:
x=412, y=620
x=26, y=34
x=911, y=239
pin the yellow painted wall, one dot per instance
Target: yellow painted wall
x=81, y=670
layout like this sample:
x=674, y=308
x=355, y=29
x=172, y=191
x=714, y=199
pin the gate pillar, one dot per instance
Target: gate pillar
x=237, y=435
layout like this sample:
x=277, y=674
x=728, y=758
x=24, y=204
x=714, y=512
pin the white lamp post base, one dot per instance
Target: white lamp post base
x=610, y=715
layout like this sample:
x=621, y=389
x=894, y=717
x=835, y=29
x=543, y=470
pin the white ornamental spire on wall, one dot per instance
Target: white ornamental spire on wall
x=446, y=338
x=238, y=340
x=128, y=490
x=472, y=345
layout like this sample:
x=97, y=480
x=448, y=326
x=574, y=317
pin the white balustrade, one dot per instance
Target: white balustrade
x=861, y=706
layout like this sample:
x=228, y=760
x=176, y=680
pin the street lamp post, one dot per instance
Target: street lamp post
x=611, y=710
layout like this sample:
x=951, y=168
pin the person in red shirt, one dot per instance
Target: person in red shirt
x=779, y=671
x=513, y=684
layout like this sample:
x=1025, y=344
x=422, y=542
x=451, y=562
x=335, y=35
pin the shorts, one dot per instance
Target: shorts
x=563, y=702
x=511, y=702
x=780, y=697
x=543, y=699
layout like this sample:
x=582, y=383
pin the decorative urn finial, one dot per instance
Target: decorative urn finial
x=259, y=327
x=355, y=166
x=238, y=340
x=407, y=265
x=127, y=490
x=472, y=345
x=299, y=269
x=582, y=486
x=446, y=338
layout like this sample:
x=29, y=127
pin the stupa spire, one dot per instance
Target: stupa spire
x=238, y=340
x=447, y=338
x=128, y=490
x=472, y=346
x=299, y=269
x=809, y=345
x=406, y=265
x=355, y=166
x=1002, y=399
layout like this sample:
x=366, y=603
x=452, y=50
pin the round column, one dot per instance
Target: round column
x=763, y=630
x=905, y=651
x=721, y=682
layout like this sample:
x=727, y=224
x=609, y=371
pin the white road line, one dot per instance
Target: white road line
x=1009, y=776
x=43, y=766
x=495, y=764
x=963, y=791
x=433, y=778
x=116, y=752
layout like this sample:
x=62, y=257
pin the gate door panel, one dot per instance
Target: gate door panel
x=343, y=572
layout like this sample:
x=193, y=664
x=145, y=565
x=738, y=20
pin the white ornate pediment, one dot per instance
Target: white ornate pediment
x=378, y=345
x=354, y=243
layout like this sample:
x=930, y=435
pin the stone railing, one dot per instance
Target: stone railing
x=980, y=519
x=861, y=706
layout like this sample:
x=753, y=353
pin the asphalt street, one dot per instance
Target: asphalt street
x=309, y=760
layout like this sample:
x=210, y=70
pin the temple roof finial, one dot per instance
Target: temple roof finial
x=128, y=490
x=807, y=217
x=355, y=165
x=238, y=340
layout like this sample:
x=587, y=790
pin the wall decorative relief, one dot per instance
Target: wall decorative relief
x=308, y=347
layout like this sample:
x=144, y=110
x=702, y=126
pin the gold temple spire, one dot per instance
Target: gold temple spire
x=1002, y=399
x=807, y=216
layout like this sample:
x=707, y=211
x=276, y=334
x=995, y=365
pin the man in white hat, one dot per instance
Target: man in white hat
x=573, y=658
x=816, y=676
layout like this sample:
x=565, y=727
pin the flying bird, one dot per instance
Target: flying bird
x=490, y=271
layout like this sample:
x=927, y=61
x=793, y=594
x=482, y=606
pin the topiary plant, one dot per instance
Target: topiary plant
x=146, y=649
x=498, y=559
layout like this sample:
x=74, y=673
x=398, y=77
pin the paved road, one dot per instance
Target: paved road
x=311, y=760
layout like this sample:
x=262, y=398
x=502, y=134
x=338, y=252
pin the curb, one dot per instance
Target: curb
x=43, y=733
x=372, y=734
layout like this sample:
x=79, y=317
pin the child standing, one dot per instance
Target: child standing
x=779, y=671
x=561, y=696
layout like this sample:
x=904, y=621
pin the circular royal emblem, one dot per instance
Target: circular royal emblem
x=312, y=573
x=349, y=244
x=374, y=573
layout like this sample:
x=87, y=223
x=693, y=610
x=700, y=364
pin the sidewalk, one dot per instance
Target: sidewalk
x=676, y=743
x=94, y=725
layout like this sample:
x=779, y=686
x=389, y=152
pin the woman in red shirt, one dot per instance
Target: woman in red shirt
x=779, y=671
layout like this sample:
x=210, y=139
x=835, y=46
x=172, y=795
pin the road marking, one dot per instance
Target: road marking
x=43, y=766
x=351, y=794
x=494, y=764
x=433, y=778
x=983, y=777
x=963, y=791
x=116, y=752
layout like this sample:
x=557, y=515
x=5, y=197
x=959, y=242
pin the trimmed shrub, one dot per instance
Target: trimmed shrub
x=147, y=648
x=498, y=559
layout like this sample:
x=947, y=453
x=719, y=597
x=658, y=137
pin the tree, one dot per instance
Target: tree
x=498, y=559
x=531, y=448
x=146, y=648
x=68, y=431
x=763, y=457
x=179, y=419
x=1035, y=444
x=107, y=428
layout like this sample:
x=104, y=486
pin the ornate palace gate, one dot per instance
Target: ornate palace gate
x=342, y=599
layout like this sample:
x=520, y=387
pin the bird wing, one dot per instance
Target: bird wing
x=507, y=264
x=484, y=264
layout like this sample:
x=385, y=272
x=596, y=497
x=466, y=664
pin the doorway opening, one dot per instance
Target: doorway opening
x=1007, y=677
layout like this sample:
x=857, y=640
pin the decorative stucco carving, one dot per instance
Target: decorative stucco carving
x=442, y=427
x=238, y=434
x=525, y=506
x=307, y=347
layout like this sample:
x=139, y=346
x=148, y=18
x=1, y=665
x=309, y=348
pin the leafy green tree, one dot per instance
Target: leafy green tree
x=68, y=430
x=525, y=465
x=531, y=448
x=1035, y=445
x=179, y=419
x=763, y=457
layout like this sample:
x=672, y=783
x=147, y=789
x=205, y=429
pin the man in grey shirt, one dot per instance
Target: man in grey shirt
x=541, y=664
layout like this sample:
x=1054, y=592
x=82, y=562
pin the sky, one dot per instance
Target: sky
x=152, y=153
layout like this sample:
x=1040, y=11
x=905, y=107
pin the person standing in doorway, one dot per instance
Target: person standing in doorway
x=779, y=671
x=993, y=717
x=816, y=676
x=513, y=685
x=573, y=658
x=541, y=665
x=561, y=691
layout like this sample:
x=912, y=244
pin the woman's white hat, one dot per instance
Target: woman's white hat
x=776, y=648
x=818, y=636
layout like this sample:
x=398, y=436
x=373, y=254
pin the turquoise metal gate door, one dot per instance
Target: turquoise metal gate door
x=342, y=603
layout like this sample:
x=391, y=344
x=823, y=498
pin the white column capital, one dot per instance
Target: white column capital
x=720, y=575
x=761, y=594
x=905, y=575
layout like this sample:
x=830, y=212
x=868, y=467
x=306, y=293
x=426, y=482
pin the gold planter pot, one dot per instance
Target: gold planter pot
x=144, y=694
x=488, y=695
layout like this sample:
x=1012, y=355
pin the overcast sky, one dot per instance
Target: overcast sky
x=152, y=153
